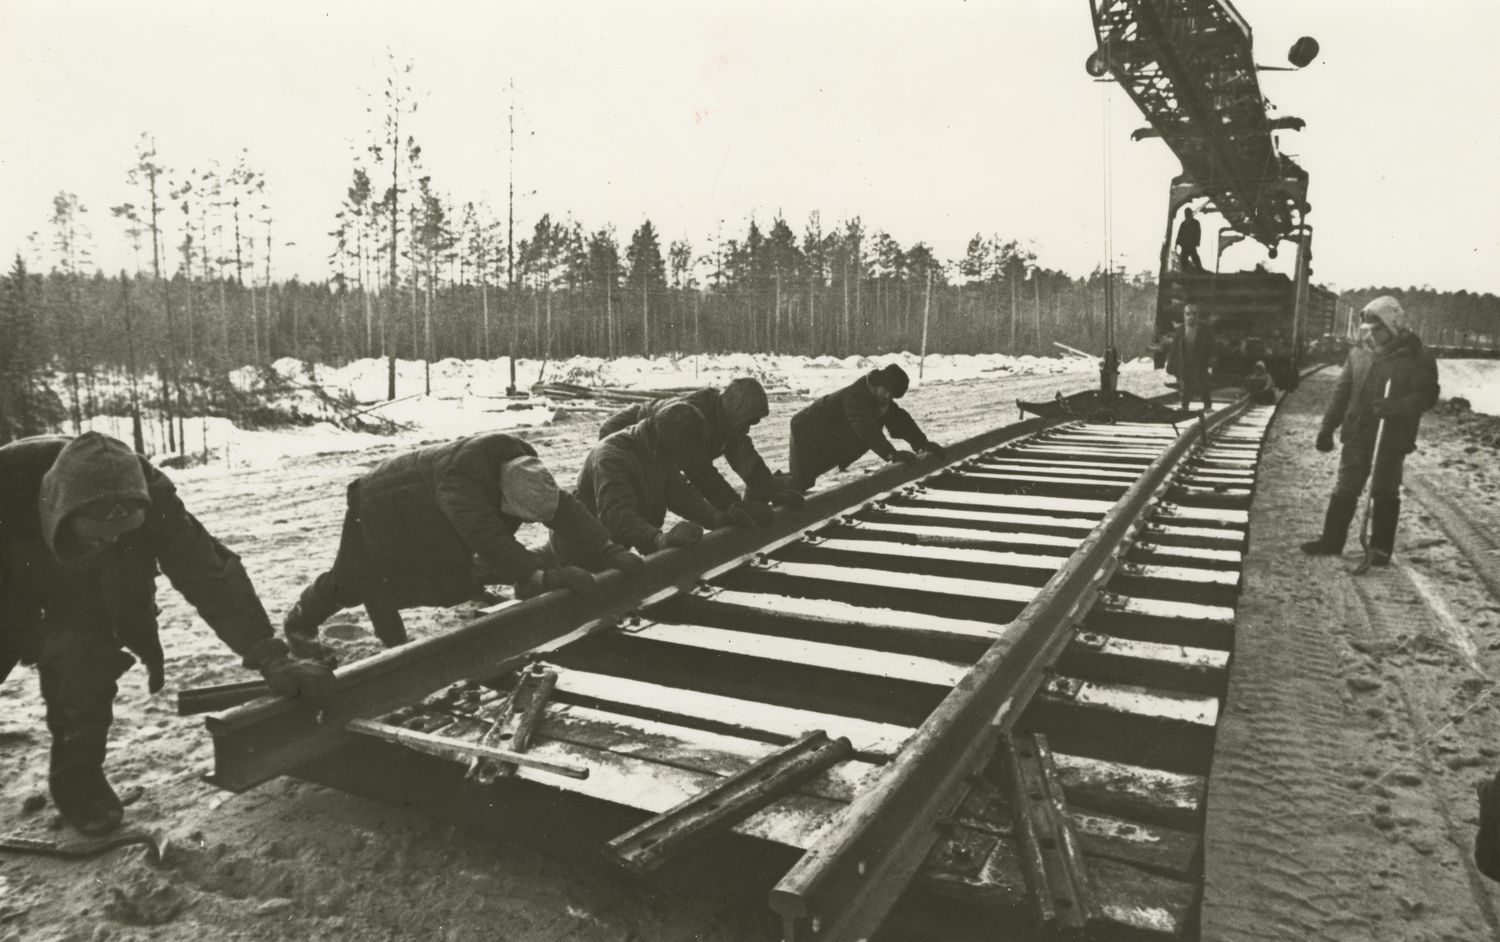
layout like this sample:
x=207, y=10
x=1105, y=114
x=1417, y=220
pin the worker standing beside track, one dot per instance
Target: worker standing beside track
x=730, y=414
x=835, y=430
x=1388, y=352
x=433, y=526
x=1192, y=358
x=84, y=524
x=633, y=477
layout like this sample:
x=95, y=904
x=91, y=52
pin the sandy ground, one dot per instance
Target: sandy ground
x=296, y=861
x=1361, y=710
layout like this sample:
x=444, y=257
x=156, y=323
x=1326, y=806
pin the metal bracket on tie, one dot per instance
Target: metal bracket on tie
x=632, y=622
x=1066, y=688
x=812, y=539
x=761, y=561
x=705, y=590
x=1091, y=640
x=513, y=730
x=1166, y=509
x=1131, y=569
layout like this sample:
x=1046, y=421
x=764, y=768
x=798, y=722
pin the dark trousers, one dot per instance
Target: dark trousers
x=1189, y=256
x=353, y=580
x=812, y=454
x=1358, y=461
x=79, y=666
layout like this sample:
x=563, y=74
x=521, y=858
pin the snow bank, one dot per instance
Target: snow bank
x=469, y=396
x=1475, y=380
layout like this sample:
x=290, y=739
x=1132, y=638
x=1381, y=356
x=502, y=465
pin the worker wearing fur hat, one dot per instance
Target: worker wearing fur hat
x=433, y=526
x=730, y=414
x=1389, y=378
x=84, y=525
x=633, y=477
x=834, y=431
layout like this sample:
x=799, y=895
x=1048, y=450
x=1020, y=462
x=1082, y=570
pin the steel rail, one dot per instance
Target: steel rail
x=269, y=737
x=842, y=888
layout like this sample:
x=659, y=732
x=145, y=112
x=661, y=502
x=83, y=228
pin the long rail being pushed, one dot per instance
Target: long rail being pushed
x=271, y=737
x=937, y=676
x=843, y=888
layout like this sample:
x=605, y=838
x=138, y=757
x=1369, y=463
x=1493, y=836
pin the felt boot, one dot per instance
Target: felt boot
x=1335, y=527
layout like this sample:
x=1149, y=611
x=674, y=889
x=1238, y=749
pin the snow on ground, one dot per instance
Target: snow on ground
x=469, y=396
x=1475, y=380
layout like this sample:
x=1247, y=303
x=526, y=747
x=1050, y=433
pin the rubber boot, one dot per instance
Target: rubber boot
x=1335, y=527
x=1383, y=516
x=76, y=779
x=1487, y=838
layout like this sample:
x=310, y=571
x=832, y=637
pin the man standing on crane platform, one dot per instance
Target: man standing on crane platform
x=1189, y=234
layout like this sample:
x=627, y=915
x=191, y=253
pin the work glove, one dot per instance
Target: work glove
x=288, y=676
x=761, y=515
x=932, y=450
x=576, y=578
x=788, y=498
x=618, y=557
x=681, y=534
x=901, y=456
x=736, y=516
x=1325, y=440
x=311, y=649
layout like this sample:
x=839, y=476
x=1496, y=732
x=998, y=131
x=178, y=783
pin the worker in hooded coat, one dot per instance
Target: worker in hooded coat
x=1387, y=352
x=633, y=477
x=730, y=415
x=85, y=523
x=835, y=430
x=433, y=526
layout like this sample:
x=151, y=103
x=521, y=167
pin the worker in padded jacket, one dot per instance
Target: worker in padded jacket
x=84, y=525
x=1388, y=352
x=834, y=431
x=633, y=477
x=433, y=526
x=730, y=414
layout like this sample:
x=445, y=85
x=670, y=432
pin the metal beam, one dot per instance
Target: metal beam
x=259, y=741
x=842, y=889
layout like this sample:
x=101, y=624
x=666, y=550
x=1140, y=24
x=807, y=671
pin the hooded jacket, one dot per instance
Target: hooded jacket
x=729, y=414
x=629, y=482
x=1413, y=375
x=427, y=513
x=843, y=425
x=47, y=577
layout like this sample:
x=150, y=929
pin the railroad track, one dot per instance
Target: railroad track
x=1014, y=664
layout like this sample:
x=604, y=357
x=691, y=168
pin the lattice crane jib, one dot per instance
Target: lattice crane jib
x=1188, y=65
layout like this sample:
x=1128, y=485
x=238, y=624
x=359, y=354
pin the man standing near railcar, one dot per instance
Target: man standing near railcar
x=1192, y=357
x=835, y=430
x=1388, y=354
x=84, y=524
x=1189, y=234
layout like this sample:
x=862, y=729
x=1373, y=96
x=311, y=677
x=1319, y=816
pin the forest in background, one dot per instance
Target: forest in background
x=416, y=273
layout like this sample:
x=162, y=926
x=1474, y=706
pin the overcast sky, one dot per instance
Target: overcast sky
x=931, y=119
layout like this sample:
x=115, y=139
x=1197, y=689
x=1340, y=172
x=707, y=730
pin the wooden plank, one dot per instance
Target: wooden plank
x=905, y=581
x=1063, y=505
x=836, y=658
x=827, y=610
x=981, y=557
x=746, y=718
x=1131, y=791
x=936, y=535
x=921, y=509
